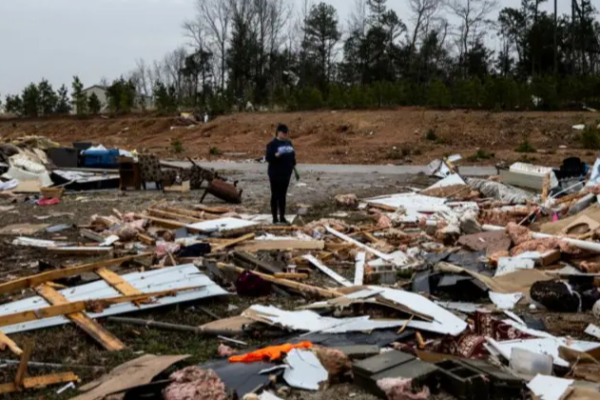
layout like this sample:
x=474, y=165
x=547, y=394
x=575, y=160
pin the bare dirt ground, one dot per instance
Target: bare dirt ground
x=343, y=137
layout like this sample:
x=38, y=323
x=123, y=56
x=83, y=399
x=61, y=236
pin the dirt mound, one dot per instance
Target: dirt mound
x=359, y=137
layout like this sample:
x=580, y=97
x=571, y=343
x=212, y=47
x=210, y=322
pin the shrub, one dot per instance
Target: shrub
x=526, y=147
x=590, y=138
x=431, y=136
x=214, y=151
x=481, y=155
x=177, y=146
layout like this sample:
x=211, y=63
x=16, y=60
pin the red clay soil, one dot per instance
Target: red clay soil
x=352, y=137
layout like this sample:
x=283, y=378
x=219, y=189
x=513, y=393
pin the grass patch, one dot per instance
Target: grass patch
x=177, y=146
x=590, y=138
x=431, y=136
x=526, y=147
x=214, y=151
x=481, y=154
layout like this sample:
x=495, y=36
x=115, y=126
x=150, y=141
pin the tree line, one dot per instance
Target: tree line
x=438, y=53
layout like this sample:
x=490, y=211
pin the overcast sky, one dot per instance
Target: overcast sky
x=56, y=39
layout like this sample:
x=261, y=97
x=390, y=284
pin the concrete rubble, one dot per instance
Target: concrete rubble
x=439, y=289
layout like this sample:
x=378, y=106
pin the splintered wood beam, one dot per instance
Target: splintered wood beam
x=117, y=282
x=39, y=382
x=35, y=280
x=91, y=327
x=8, y=342
x=22, y=369
x=167, y=223
x=233, y=242
x=177, y=217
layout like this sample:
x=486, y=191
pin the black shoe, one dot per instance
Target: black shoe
x=275, y=221
x=283, y=221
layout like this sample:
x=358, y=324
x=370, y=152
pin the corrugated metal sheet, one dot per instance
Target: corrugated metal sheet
x=180, y=277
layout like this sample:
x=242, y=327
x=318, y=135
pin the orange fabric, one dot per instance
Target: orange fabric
x=269, y=353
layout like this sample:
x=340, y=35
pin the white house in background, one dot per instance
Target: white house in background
x=99, y=91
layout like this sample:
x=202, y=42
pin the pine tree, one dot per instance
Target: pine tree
x=80, y=101
x=94, y=104
x=63, y=105
x=14, y=105
x=48, y=98
x=31, y=101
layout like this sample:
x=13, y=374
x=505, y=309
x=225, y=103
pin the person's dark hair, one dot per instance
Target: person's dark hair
x=283, y=129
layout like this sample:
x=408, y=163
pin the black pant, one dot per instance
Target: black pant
x=279, y=188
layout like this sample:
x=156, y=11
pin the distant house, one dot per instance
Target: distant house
x=99, y=91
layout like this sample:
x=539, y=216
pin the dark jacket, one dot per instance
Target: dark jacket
x=282, y=166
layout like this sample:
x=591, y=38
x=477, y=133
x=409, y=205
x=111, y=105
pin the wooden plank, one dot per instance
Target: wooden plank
x=233, y=242
x=297, y=286
x=22, y=369
x=34, y=280
x=191, y=213
x=95, y=330
x=88, y=234
x=8, y=342
x=348, y=239
x=146, y=239
x=168, y=215
x=292, y=276
x=328, y=271
x=167, y=223
x=246, y=259
x=270, y=245
x=120, y=284
x=212, y=210
x=39, y=382
x=80, y=251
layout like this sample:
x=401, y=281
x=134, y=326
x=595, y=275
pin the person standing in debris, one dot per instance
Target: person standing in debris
x=281, y=157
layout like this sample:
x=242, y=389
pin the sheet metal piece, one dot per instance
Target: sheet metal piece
x=179, y=277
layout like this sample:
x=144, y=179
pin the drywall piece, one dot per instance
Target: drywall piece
x=411, y=201
x=265, y=218
x=514, y=316
x=448, y=322
x=305, y=371
x=359, y=271
x=328, y=271
x=179, y=277
x=31, y=242
x=507, y=265
x=593, y=330
x=222, y=225
x=309, y=321
x=387, y=257
x=548, y=346
x=109, y=241
x=459, y=306
x=268, y=396
x=450, y=180
x=438, y=168
x=505, y=301
x=549, y=387
x=22, y=229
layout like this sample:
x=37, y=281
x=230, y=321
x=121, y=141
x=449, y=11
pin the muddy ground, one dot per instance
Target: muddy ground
x=396, y=136
x=69, y=345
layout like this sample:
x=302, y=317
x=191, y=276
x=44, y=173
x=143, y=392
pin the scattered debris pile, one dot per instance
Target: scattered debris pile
x=440, y=290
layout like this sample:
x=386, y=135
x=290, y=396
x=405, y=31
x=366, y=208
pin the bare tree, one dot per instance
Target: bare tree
x=172, y=67
x=357, y=20
x=473, y=17
x=423, y=11
x=211, y=29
